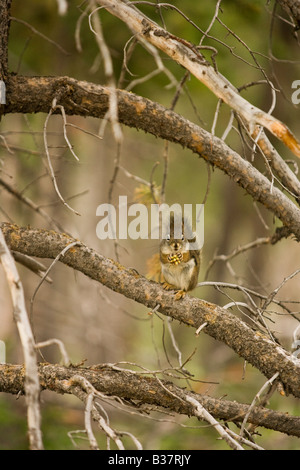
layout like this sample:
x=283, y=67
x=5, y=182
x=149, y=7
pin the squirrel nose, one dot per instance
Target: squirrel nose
x=175, y=246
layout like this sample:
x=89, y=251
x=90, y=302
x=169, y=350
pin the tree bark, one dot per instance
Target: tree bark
x=292, y=7
x=31, y=380
x=144, y=390
x=5, y=6
x=4, y=33
x=186, y=54
x=256, y=348
x=35, y=94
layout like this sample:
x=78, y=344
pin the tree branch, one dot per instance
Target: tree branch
x=31, y=381
x=141, y=389
x=4, y=29
x=35, y=94
x=292, y=7
x=187, y=55
x=254, y=347
x=4, y=33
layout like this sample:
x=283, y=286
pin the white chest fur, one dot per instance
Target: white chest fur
x=179, y=275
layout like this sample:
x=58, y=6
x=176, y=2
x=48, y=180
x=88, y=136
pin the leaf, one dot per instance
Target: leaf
x=147, y=195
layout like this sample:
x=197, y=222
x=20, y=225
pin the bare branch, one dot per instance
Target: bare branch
x=45, y=274
x=139, y=112
x=38, y=33
x=32, y=264
x=292, y=7
x=202, y=413
x=130, y=385
x=32, y=386
x=96, y=28
x=4, y=28
x=28, y=202
x=52, y=109
x=65, y=358
x=189, y=57
x=257, y=396
x=255, y=348
x=269, y=180
x=90, y=409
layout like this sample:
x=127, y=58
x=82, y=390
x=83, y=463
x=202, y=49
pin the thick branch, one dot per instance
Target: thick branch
x=31, y=381
x=187, y=55
x=258, y=350
x=292, y=7
x=35, y=94
x=145, y=390
x=4, y=30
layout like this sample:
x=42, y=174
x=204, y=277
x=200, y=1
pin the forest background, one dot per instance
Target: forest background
x=95, y=324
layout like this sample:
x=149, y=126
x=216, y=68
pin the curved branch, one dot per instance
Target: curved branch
x=141, y=389
x=187, y=55
x=31, y=380
x=255, y=348
x=35, y=94
x=292, y=7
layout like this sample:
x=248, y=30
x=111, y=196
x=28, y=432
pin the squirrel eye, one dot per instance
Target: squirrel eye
x=168, y=238
x=182, y=237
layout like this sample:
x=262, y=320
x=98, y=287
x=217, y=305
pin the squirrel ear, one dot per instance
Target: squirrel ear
x=187, y=230
x=171, y=222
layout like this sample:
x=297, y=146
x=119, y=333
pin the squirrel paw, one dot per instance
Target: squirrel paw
x=180, y=294
x=168, y=286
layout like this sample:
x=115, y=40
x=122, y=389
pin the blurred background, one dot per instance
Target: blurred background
x=97, y=325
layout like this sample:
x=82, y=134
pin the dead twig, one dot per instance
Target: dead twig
x=32, y=384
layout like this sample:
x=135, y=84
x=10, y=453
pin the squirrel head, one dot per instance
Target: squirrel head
x=177, y=235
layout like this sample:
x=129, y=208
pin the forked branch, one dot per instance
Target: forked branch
x=257, y=349
x=32, y=95
x=140, y=388
x=187, y=55
x=31, y=380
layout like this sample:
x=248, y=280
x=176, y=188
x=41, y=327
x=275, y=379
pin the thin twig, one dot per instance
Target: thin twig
x=91, y=392
x=38, y=33
x=61, y=254
x=202, y=413
x=49, y=159
x=257, y=396
x=32, y=384
x=30, y=203
x=65, y=358
x=96, y=28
